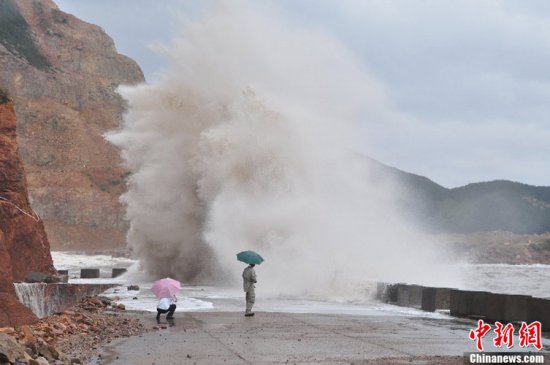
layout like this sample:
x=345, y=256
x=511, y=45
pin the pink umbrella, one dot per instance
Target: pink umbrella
x=166, y=287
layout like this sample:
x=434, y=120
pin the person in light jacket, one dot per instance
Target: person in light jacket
x=249, y=279
x=167, y=305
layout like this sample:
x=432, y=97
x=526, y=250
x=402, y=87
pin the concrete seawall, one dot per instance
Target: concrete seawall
x=45, y=299
x=505, y=308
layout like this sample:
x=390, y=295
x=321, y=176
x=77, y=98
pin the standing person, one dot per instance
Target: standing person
x=167, y=305
x=249, y=279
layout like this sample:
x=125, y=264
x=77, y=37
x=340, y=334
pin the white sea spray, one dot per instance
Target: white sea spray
x=247, y=142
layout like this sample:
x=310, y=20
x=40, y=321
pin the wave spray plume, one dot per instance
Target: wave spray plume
x=247, y=142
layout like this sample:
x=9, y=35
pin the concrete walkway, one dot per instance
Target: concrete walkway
x=279, y=338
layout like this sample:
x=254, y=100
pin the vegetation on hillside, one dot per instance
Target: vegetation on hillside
x=4, y=96
x=491, y=206
x=480, y=207
x=541, y=246
x=16, y=36
x=496, y=205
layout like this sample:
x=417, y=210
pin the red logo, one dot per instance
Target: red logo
x=530, y=335
x=478, y=333
x=504, y=334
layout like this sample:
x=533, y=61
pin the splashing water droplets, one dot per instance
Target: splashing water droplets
x=246, y=142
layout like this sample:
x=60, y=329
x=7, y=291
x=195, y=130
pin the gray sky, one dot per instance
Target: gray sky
x=468, y=81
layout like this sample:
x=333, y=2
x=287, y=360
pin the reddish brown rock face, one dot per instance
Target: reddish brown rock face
x=62, y=74
x=13, y=313
x=24, y=246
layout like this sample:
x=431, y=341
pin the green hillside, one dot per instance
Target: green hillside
x=4, y=96
x=496, y=205
x=16, y=36
x=485, y=206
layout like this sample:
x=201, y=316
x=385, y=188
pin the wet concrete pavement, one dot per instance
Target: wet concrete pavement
x=279, y=338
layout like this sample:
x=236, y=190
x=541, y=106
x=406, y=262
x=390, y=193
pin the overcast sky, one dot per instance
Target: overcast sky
x=468, y=82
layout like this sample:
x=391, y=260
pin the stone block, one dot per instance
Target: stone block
x=506, y=308
x=478, y=303
x=436, y=298
x=409, y=295
x=389, y=294
x=517, y=308
x=465, y=303
x=442, y=298
x=539, y=310
x=89, y=273
x=428, y=299
x=494, y=307
x=458, y=305
x=36, y=277
x=402, y=295
x=415, y=296
x=118, y=272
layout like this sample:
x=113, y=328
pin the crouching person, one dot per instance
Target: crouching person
x=167, y=305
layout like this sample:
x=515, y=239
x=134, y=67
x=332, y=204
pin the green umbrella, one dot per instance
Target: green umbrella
x=250, y=257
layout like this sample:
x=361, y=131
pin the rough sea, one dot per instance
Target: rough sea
x=498, y=278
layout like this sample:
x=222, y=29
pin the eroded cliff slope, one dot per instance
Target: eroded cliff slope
x=62, y=74
x=24, y=246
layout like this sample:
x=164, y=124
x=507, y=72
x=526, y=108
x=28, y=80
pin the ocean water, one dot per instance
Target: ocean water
x=510, y=279
x=499, y=278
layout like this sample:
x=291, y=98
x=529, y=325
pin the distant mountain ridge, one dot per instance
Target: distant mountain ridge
x=477, y=207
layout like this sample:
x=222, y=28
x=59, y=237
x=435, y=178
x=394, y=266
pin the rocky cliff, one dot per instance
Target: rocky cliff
x=62, y=74
x=24, y=246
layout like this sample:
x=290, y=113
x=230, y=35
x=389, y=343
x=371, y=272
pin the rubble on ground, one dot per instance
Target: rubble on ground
x=70, y=337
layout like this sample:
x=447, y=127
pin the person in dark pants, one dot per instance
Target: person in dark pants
x=167, y=305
